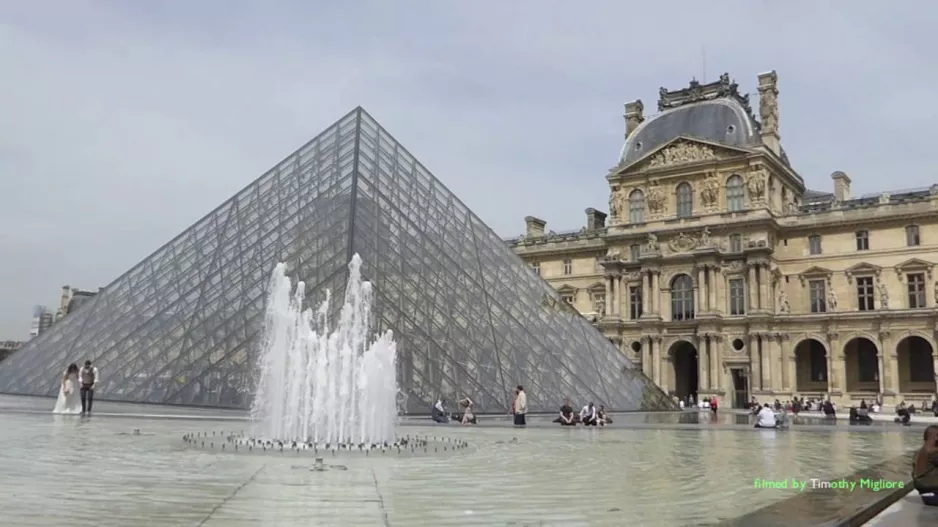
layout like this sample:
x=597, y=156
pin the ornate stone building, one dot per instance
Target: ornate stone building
x=719, y=273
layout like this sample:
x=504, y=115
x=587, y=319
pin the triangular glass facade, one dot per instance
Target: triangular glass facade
x=470, y=317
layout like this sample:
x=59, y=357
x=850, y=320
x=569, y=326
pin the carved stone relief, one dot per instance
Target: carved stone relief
x=651, y=245
x=710, y=192
x=705, y=239
x=654, y=198
x=614, y=202
x=733, y=267
x=682, y=243
x=682, y=153
x=783, y=305
x=756, y=184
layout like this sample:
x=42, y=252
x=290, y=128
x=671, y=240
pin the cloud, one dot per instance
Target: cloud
x=124, y=122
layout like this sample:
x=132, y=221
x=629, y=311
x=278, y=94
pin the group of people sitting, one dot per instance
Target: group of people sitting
x=589, y=415
x=439, y=415
x=766, y=417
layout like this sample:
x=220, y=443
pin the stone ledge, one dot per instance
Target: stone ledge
x=830, y=507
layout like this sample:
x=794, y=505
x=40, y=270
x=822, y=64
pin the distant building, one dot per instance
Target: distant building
x=72, y=299
x=7, y=348
x=42, y=320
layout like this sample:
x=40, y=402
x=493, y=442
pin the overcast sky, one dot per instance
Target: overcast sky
x=122, y=123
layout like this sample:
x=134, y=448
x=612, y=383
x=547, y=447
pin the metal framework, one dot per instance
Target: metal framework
x=471, y=318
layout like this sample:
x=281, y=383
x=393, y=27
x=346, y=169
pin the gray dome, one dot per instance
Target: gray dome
x=722, y=121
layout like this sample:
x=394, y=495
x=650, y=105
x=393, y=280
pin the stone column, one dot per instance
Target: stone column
x=616, y=295
x=786, y=363
x=890, y=364
x=656, y=358
x=647, y=359
x=755, y=362
x=703, y=364
x=766, y=347
x=713, y=351
x=836, y=364
x=655, y=292
x=792, y=365
x=751, y=287
x=764, y=286
x=646, y=292
x=701, y=291
x=609, y=310
x=712, y=287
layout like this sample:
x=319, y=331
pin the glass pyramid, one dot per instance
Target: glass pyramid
x=471, y=319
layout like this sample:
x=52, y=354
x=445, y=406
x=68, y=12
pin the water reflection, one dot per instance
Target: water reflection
x=541, y=475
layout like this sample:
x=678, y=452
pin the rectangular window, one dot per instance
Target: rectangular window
x=912, y=238
x=635, y=251
x=737, y=296
x=818, y=290
x=863, y=240
x=916, y=290
x=537, y=267
x=736, y=243
x=568, y=298
x=635, y=302
x=567, y=266
x=865, y=293
x=814, y=244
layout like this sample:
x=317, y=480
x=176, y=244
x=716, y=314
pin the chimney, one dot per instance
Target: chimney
x=768, y=111
x=534, y=227
x=595, y=219
x=634, y=115
x=841, y=186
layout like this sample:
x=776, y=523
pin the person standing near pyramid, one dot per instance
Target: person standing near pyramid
x=89, y=378
x=520, y=406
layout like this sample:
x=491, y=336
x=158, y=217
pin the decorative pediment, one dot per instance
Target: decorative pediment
x=862, y=269
x=914, y=265
x=682, y=151
x=815, y=273
x=567, y=290
x=598, y=287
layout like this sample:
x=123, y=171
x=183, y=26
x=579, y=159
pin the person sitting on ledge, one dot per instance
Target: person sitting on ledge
x=601, y=418
x=829, y=411
x=588, y=415
x=438, y=413
x=468, y=418
x=925, y=469
x=566, y=417
x=903, y=416
x=766, y=418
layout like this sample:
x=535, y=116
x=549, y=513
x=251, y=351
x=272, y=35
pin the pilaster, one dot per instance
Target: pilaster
x=716, y=359
x=656, y=358
x=752, y=289
x=700, y=304
x=755, y=362
x=764, y=303
x=712, y=287
x=889, y=364
x=789, y=362
x=835, y=365
x=617, y=294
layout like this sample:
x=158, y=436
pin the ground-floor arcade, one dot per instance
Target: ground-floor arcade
x=847, y=365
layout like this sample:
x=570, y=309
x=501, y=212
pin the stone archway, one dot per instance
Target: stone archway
x=861, y=365
x=685, y=369
x=811, y=366
x=916, y=365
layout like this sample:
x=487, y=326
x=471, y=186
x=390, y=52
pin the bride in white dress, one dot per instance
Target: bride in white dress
x=69, y=401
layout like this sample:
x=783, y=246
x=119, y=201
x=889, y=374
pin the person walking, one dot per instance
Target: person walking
x=520, y=406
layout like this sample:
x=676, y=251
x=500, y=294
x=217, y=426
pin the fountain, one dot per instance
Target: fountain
x=320, y=386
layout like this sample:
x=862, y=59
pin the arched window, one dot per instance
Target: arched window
x=685, y=200
x=682, y=298
x=636, y=207
x=735, y=194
